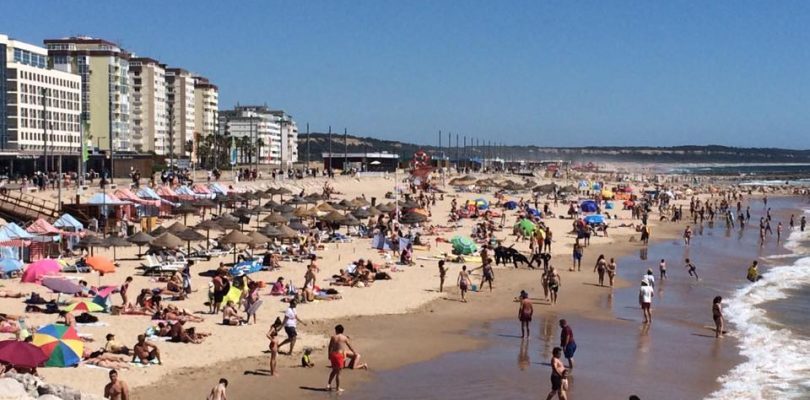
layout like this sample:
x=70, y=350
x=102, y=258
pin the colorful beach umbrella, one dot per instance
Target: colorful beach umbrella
x=21, y=354
x=595, y=219
x=38, y=270
x=463, y=245
x=61, y=285
x=100, y=264
x=61, y=344
x=481, y=204
x=83, y=306
x=526, y=226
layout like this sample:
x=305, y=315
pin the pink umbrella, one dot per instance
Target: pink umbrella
x=36, y=271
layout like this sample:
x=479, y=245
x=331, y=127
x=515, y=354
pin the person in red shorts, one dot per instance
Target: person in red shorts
x=339, y=350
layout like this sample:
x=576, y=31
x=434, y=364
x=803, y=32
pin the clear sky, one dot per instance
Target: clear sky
x=558, y=73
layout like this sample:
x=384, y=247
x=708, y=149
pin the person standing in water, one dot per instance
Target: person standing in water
x=600, y=267
x=645, y=296
x=662, y=269
x=557, y=372
x=611, y=271
x=525, y=312
x=567, y=342
x=779, y=232
x=717, y=315
x=554, y=283
x=802, y=223
x=691, y=269
x=753, y=272
x=687, y=235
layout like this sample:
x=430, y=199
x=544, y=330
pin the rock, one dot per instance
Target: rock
x=10, y=389
x=48, y=397
x=87, y=396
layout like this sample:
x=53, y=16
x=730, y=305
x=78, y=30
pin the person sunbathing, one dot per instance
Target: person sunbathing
x=108, y=360
x=11, y=295
x=171, y=313
x=179, y=334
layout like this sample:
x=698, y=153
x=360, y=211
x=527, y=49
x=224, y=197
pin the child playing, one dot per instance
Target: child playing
x=306, y=359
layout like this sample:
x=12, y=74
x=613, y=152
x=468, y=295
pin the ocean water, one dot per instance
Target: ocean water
x=772, y=319
x=801, y=170
x=677, y=357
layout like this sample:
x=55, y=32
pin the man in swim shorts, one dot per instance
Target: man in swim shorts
x=567, y=342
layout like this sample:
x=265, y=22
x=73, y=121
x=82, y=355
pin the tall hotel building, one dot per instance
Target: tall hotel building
x=180, y=105
x=150, y=114
x=38, y=105
x=105, y=86
x=206, y=104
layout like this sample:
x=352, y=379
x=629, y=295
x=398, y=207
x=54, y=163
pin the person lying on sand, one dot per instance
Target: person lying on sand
x=108, y=360
x=180, y=334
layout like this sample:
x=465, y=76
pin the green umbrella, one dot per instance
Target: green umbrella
x=527, y=227
x=463, y=245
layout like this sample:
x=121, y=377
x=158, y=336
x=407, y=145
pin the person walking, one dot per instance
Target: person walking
x=291, y=320
x=557, y=372
x=645, y=296
x=567, y=342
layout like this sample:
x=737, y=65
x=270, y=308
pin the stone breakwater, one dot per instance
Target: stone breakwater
x=14, y=386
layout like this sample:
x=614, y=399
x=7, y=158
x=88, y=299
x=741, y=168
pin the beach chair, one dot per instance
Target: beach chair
x=155, y=266
x=77, y=267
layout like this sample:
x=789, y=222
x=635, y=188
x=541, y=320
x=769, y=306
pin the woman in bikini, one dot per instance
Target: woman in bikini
x=600, y=268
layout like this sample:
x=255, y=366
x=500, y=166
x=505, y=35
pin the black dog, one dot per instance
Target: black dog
x=503, y=254
x=541, y=259
x=520, y=258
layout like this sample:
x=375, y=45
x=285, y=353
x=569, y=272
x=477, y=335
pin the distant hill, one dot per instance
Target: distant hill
x=319, y=143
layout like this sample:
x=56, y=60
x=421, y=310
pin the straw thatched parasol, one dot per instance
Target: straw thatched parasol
x=333, y=217
x=167, y=240
x=176, y=228
x=140, y=239
x=276, y=219
x=258, y=239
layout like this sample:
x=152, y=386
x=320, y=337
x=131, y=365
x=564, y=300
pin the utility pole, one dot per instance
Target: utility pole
x=329, y=168
x=307, y=146
x=458, y=155
x=345, y=149
x=110, y=127
x=440, y=142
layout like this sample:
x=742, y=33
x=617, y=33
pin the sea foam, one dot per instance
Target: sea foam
x=777, y=362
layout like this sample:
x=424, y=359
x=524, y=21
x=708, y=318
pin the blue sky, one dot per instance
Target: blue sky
x=558, y=73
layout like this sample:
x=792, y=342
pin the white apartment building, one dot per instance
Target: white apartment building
x=258, y=125
x=150, y=118
x=180, y=106
x=288, y=142
x=42, y=105
x=105, y=86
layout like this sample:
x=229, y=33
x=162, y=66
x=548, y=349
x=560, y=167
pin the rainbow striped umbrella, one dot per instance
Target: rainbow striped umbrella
x=61, y=344
x=84, y=306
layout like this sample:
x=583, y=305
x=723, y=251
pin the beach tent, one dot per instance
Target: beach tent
x=99, y=199
x=482, y=204
x=216, y=188
x=13, y=239
x=140, y=207
x=510, y=205
x=588, y=206
x=165, y=206
x=45, y=235
x=534, y=212
x=72, y=229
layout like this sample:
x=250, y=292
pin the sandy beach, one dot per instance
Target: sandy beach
x=393, y=323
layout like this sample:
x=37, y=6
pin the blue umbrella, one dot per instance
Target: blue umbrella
x=588, y=206
x=8, y=265
x=510, y=205
x=595, y=219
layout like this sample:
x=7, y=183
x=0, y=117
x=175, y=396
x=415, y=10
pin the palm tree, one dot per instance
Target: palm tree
x=259, y=145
